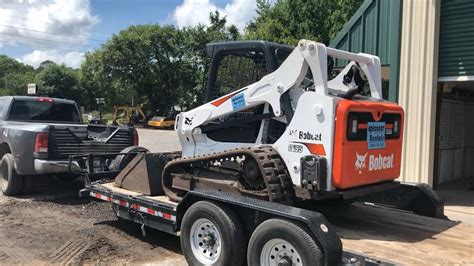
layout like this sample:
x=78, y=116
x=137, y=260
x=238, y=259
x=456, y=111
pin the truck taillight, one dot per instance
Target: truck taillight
x=41, y=142
x=135, y=137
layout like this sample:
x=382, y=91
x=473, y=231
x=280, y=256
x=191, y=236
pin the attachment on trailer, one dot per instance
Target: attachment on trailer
x=143, y=173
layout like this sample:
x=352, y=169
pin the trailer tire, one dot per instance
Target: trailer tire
x=11, y=182
x=122, y=160
x=209, y=227
x=281, y=242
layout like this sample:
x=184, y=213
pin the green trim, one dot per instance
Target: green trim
x=384, y=41
x=347, y=27
x=395, y=51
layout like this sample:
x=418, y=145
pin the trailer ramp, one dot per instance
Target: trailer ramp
x=402, y=237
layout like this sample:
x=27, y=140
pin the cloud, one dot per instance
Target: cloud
x=71, y=59
x=194, y=12
x=28, y=22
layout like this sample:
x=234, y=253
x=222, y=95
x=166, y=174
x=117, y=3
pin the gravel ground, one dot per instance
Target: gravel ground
x=159, y=140
x=54, y=225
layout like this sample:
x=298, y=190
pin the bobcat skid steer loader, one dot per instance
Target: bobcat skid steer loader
x=293, y=133
x=275, y=128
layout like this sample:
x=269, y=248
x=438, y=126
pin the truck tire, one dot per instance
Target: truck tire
x=122, y=160
x=281, y=242
x=212, y=234
x=11, y=182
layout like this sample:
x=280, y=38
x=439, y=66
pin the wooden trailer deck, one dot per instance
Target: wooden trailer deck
x=163, y=199
x=401, y=237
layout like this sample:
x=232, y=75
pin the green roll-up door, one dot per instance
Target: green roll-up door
x=456, y=40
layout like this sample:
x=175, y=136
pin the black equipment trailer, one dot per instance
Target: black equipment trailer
x=219, y=228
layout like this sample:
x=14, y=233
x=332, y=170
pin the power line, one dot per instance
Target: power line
x=44, y=32
x=12, y=16
x=46, y=22
x=39, y=39
x=39, y=46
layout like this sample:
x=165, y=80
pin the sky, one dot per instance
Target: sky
x=33, y=31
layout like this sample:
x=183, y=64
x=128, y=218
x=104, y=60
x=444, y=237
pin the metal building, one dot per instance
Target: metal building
x=427, y=52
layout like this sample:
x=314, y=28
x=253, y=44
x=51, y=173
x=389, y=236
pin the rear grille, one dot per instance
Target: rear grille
x=63, y=142
x=363, y=118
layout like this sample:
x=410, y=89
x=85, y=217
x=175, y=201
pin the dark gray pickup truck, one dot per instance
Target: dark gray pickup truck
x=38, y=134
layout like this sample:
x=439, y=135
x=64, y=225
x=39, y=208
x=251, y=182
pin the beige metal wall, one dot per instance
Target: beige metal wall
x=417, y=87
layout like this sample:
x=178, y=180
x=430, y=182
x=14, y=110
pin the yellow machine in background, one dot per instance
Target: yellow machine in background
x=161, y=122
x=129, y=115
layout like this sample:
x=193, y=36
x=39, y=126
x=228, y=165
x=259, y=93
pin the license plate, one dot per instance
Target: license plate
x=376, y=135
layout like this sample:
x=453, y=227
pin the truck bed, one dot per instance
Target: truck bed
x=380, y=233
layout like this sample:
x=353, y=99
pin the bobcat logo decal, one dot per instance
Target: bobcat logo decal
x=188, y=120
x=360, y=162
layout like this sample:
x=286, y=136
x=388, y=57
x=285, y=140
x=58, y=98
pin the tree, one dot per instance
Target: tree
x=144, y=59
x=14, y=76
x=291, y=20
x=58, y=81
x=17, y=83
x=160, y=65
x=44, y=64
x=94, y=82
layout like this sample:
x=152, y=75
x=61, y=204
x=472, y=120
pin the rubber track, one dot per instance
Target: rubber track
x=277, y=181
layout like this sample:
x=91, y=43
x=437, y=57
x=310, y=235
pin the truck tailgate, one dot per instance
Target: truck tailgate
x=68, y=140
x=402, y=237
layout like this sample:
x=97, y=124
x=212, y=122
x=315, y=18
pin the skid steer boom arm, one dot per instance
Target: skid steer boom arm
x=308, y=54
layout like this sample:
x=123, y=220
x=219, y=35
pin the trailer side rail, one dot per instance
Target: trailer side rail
x=147, y=212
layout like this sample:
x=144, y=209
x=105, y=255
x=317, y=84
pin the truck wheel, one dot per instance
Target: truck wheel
x=211, y=234
x=122, y=160
x=11, y=181
x=280, y=242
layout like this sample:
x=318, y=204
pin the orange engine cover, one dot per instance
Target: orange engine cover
x=367, y=144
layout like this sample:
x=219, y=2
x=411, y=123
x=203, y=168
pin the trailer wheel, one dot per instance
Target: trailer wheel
x=122, y=160
x=280, y=242
x=11, y=182
x=211, y=234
